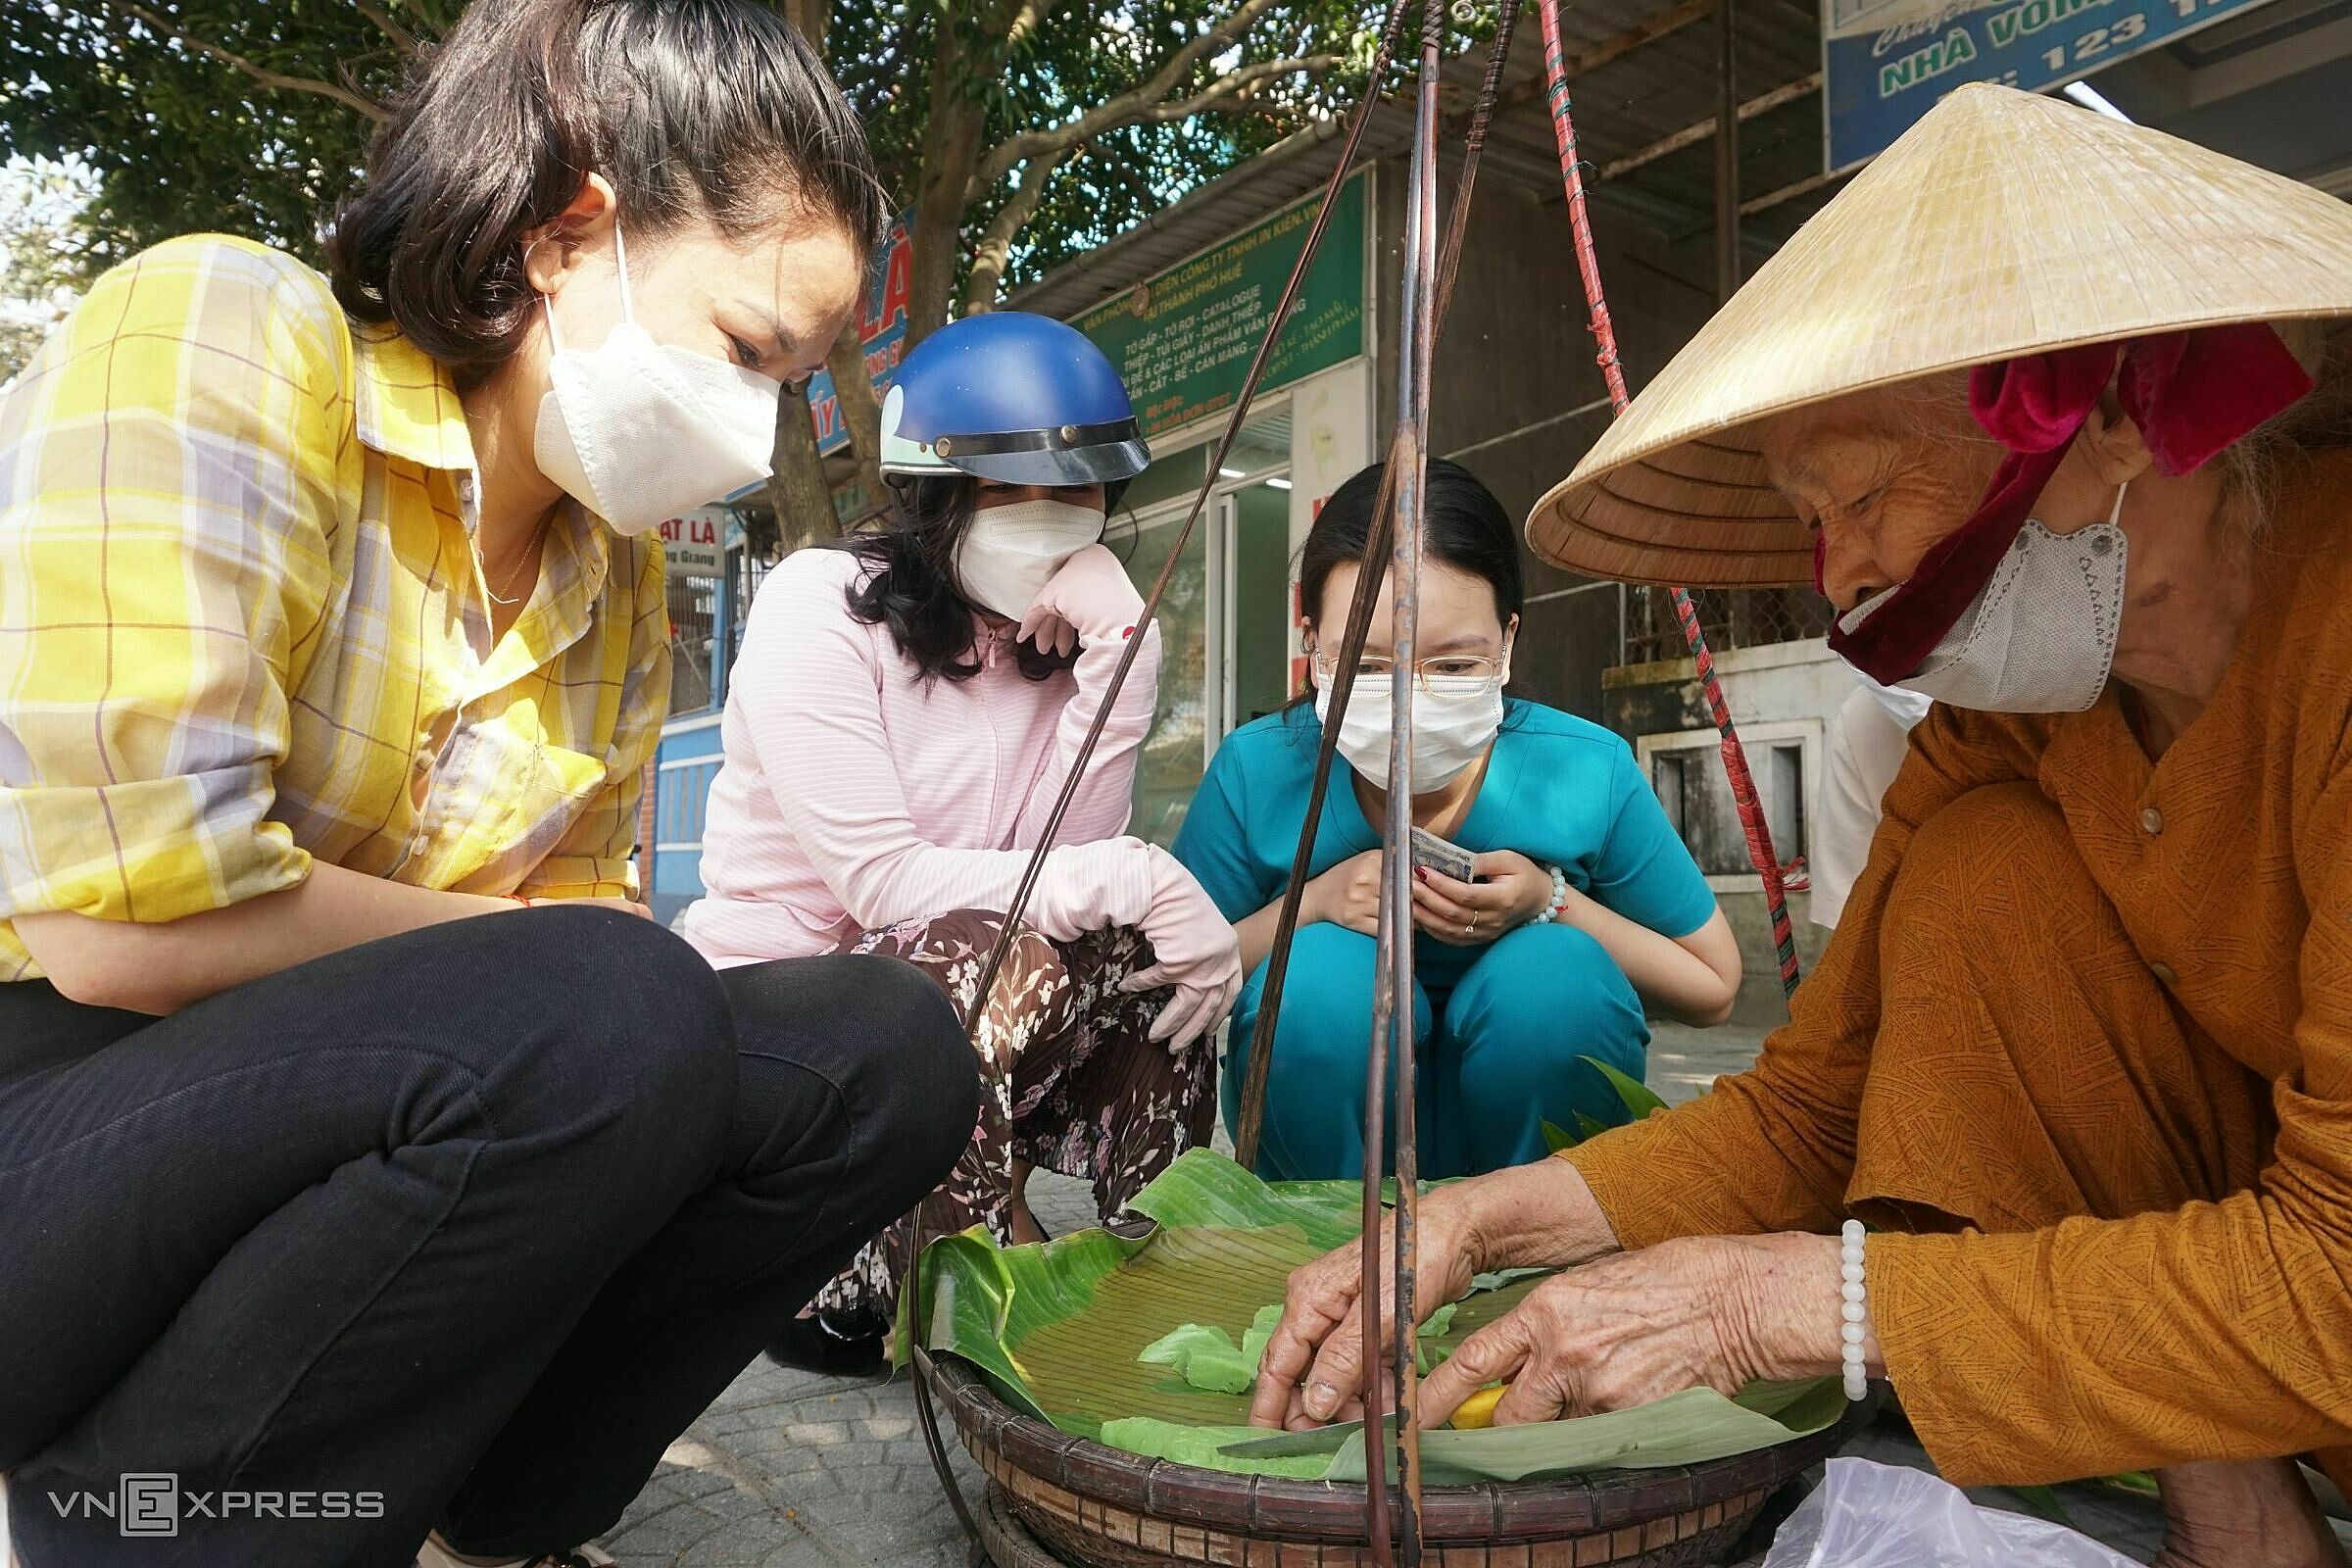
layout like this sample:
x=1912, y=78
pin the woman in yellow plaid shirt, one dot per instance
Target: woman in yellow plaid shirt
x=361, y=1140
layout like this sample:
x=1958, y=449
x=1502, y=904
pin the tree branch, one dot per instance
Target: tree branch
x=1127, y=108
x=401, y=38
x=1233, y=85
x=1236, y=83
x=1028, y=20
x=360, y=103
x=994, y=250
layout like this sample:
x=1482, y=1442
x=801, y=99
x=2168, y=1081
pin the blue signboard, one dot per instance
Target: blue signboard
x=1885, y=61
x=881, y=327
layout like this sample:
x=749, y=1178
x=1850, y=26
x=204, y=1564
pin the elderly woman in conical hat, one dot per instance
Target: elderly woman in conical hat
x=2050, y=408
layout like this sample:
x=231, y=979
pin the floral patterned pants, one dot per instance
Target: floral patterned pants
x=1074, y=1082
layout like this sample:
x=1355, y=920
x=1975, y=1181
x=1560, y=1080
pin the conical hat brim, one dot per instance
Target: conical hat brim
x=2002, y=223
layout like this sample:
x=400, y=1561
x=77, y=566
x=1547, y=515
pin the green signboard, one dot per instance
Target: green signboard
x=1183, y=340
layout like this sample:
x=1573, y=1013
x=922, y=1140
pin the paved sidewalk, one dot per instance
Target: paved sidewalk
x=788, y=1470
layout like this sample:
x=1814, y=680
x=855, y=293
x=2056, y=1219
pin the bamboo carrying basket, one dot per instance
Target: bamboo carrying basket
x=1089, y=1504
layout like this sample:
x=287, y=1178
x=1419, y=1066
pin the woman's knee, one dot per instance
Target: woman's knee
x=1549, y=984
x=2003, y=840
x=626, y=1021
x=1998, y=855
x=1326, y=1002
x=927, y=1099
x=1030, y=995
x=877, y=1040
x=977, y=931
x=1330, y=967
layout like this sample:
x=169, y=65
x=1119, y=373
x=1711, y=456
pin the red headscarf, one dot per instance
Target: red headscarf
x=2190, y=393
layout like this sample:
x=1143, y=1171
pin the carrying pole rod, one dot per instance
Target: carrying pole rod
x=1425, y=275
x=1260, y=1054
x=913, y=1305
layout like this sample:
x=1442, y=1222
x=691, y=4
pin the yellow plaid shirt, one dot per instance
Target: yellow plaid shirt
x=243, y=627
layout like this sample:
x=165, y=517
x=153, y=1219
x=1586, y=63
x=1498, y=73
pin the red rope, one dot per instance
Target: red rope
x=1587, y=265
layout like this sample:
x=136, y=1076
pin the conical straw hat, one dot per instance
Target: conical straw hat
x=2002, y=223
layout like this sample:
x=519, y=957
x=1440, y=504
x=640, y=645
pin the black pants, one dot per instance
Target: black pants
x=458, y=1229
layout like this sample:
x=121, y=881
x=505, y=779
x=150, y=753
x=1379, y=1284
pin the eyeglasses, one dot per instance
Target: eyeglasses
x=1377, y=668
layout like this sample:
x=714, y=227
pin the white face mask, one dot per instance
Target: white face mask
x=1454, y=721
x=2040, y=636
x=1011, y=552
x=639, y=431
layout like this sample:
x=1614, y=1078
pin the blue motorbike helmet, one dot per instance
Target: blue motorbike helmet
x=1012, y=397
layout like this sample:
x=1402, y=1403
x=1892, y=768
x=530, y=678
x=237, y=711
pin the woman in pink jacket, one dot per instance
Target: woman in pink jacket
x=903, y=715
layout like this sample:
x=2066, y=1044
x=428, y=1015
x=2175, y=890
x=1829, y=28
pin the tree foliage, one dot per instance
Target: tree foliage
x=185, y=140
x=39, y=204
x=251, y=117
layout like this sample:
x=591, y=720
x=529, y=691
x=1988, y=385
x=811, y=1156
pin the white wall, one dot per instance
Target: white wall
x=1784, y=681
x=1782, y=693
x=1331, y=437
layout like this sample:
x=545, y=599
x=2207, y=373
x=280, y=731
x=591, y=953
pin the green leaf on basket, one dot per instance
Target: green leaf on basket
x=1639, y=1099
x=1057, y=1329
x=1204, y=1447
x=1686, y=1428
x=1557, y=1137
x=1590, y=1125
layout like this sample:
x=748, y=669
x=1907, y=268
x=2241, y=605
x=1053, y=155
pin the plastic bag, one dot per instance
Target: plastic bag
x=1868, y=1515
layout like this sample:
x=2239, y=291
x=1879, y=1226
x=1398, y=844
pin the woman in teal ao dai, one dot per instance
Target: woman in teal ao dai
x=1520, y=974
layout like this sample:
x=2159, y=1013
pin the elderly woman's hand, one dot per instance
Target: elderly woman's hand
x=1312, y=1370
x=1703, y=1311
x=1540, y=1216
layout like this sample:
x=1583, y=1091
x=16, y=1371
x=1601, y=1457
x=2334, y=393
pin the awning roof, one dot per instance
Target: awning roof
x=2262, y=85
x=1643, y=77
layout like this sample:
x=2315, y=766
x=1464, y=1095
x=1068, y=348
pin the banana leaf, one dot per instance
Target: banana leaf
x=1639, y=1099
x=1057, y=1329
x=1691, y=1426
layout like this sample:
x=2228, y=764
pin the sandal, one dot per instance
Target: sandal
x=833, y=1343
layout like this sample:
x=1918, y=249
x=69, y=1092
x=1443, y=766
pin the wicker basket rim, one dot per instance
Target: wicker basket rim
x=1328, y=1509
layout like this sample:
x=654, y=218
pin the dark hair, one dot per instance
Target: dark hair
x=1464, y=527
x=910, y=583
x=692, y=109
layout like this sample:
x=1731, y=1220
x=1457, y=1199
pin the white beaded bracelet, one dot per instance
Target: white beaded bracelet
x=1560, y=898
x=1854, y=1309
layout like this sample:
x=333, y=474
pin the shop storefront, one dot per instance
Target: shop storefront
x=1183, y=339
